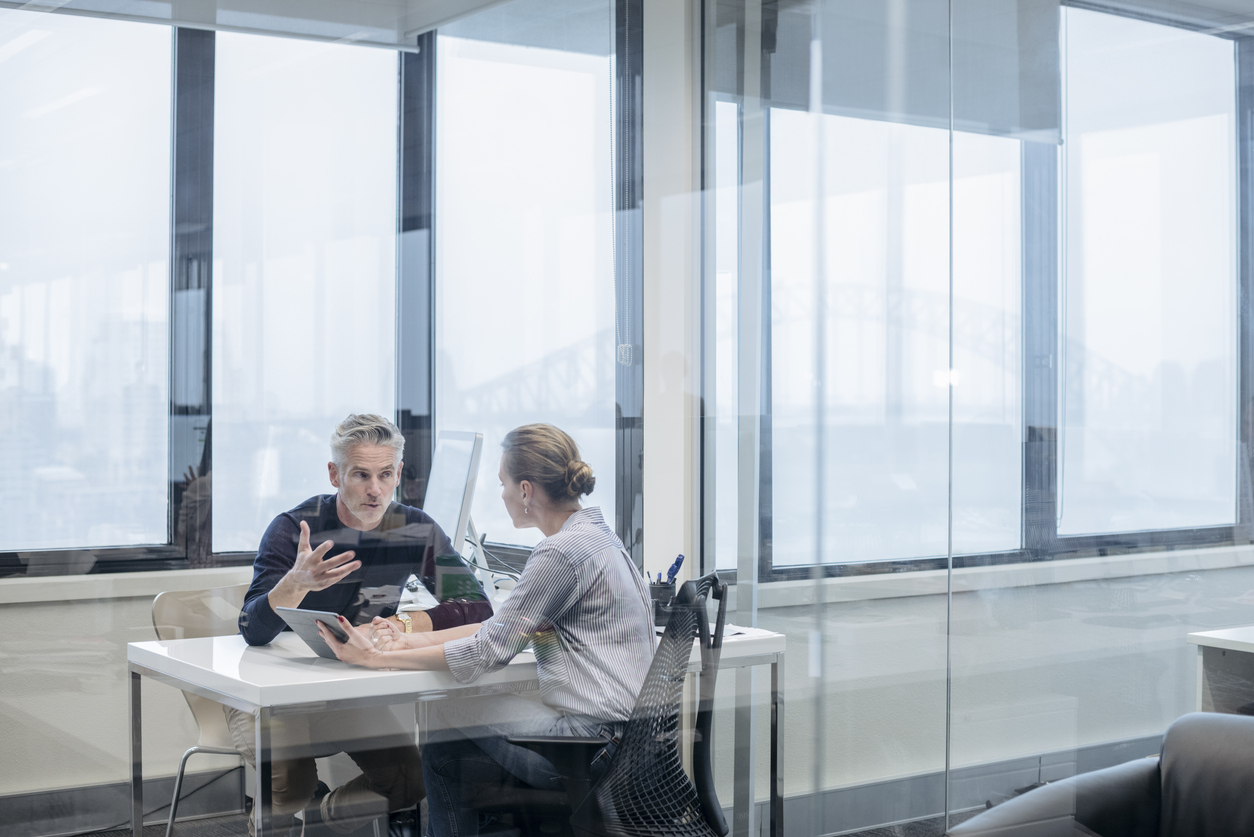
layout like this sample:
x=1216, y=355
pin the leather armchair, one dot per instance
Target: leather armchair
x=1202, y=785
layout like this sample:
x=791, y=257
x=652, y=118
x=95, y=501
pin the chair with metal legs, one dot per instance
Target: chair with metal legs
x=184, y=614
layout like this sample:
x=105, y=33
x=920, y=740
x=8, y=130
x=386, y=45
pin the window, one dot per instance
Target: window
x=525, y=306
x=84, y=267
x=305, y=229
x=1148, y=402
x=886, y=268
x=932, y=239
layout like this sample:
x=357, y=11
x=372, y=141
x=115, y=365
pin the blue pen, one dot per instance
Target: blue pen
x=674, y=570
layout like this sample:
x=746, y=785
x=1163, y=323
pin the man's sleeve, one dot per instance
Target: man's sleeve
x=258, y=623
x=547, y=589
x=462, y=609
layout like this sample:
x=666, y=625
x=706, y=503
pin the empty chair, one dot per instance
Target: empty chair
x=186, y=614
x=1198, y=787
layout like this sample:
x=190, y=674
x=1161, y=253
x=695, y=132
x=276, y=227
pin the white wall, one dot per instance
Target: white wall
x=64, y=707
x=1098, y=655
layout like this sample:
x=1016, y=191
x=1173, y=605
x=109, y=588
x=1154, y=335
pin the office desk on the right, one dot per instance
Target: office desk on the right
x=1225, y=670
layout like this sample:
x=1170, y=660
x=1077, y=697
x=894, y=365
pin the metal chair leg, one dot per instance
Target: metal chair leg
x=178, y=779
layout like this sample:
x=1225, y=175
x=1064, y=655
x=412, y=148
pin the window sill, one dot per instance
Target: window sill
x=971, y=579
x=75, y=588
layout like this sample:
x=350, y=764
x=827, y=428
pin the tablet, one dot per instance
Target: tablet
x=305, y=624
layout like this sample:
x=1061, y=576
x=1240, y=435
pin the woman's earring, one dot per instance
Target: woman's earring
x=526, y=510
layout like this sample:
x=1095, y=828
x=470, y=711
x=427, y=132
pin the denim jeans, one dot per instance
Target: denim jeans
x=466, y=749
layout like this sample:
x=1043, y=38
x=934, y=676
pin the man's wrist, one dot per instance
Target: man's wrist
x=286, y=588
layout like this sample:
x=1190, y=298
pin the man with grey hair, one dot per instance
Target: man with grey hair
x=363, y=584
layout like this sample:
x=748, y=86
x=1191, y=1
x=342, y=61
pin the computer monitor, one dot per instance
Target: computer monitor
x=451, y=486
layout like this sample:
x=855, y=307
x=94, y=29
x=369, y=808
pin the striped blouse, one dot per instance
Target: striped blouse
x=583, y=606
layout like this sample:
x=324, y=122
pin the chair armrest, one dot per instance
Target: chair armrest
x=1120, y=801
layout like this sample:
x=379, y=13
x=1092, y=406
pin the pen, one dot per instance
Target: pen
x=674, y=570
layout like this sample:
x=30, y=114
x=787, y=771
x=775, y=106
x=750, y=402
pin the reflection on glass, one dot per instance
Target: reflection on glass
x=1149, y=285
x=525, y=291
x=304, y=266
x=726, y=278
x=84, y=278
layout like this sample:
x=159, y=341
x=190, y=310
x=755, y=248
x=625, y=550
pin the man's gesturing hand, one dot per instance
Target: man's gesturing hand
x=311, y=571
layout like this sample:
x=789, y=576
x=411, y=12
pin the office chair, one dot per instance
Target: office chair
x=644, y=791
x=185, y=614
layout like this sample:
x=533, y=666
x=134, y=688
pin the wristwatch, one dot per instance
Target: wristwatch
x=406, y=620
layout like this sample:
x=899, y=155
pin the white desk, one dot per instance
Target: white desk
x=286, y=677
x=1225, y=669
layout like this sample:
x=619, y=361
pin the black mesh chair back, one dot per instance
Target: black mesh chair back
x=644, y=791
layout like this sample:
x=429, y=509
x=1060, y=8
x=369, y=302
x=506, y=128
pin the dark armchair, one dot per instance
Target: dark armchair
x=1202, y=785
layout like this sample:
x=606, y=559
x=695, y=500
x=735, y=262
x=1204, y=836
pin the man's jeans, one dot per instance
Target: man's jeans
x=466, y=749
x=374, y=738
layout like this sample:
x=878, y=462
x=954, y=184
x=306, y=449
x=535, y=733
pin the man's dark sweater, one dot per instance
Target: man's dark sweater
x=381, y=570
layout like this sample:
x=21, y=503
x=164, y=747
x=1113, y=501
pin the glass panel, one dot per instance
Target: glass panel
x=525, y=309
x=852, y=185
x=1149, y=282
x=726, y=277
x=304, y=266
x=1072, y=655
x=84, y=282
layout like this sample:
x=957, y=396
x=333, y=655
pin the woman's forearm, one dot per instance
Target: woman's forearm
x=430, y=658
x=435, y=639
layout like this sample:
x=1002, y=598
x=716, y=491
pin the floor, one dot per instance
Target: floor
x=231, y=825
x=234, y=825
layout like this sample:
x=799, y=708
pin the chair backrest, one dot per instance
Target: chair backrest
x=184, y=614
x=1207, y=771
x=703, y=746
x=645, y=791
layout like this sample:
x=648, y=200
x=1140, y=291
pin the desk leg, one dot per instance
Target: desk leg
x=777, y=746
x=742, y=771
x=1201, y=679
x=137, y=760
x=263, y=802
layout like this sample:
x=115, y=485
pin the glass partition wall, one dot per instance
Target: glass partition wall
x=975, y=382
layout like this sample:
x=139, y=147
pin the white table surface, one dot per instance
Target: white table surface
x=288, y=672
x=1231, y=639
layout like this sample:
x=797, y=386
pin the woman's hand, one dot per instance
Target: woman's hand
x=359, y=650
x=385, y=635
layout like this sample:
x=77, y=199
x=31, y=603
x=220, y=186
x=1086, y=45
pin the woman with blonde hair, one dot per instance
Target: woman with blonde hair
x=580, y=603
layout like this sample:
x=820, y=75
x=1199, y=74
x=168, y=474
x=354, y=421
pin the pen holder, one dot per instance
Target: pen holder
x=661, y=594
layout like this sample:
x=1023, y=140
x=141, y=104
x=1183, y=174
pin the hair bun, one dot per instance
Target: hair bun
x=579, y=478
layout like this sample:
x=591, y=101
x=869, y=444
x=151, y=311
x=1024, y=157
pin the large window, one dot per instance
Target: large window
x=525, y=301
x=84, y=261
x=1149, y=291
x=304, y=266
x=931, y=238
x=886, y=269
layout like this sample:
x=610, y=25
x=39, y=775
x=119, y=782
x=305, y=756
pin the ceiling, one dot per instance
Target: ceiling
x=388, y=23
